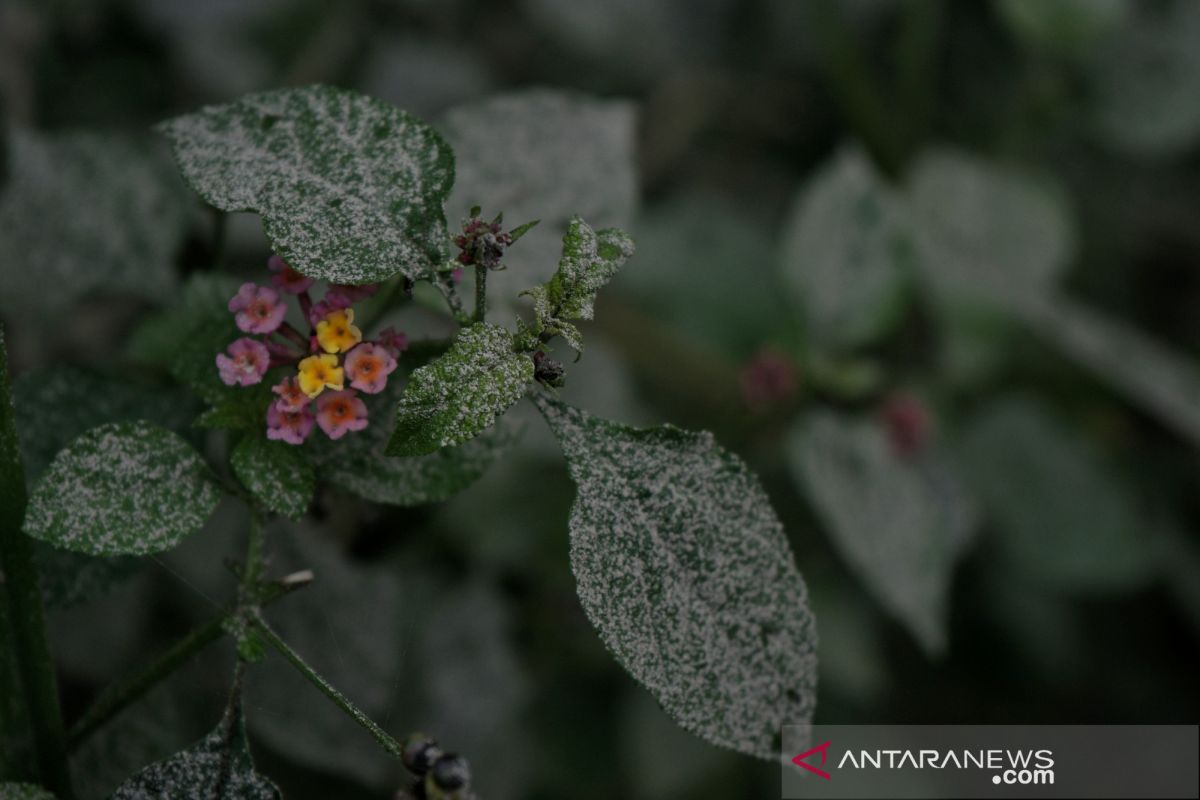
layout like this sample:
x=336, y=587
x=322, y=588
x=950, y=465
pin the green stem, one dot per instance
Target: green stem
x=119, y=696
x=340, y=700
x=26, y=616
x=252, y=569
x=852, y=86
x=480, y=293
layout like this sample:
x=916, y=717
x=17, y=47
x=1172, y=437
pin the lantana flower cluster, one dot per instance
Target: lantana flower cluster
x=332, y=362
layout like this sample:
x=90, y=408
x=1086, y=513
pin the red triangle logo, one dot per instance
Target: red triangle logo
x=823, y=749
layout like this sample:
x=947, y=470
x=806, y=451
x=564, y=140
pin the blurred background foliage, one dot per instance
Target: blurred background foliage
x=933, y=268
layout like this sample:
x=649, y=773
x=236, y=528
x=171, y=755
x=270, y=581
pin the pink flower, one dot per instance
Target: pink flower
x=246, y=363
x=368, y=366
x=457, y=275
x=334, y=301
x=291, y=427
x=350, y=293
x=257, y=309
x=286, y=279
x=291, y=398
x=392, y=341
x=339, y=412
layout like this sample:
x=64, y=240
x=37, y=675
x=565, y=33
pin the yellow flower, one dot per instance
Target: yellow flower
x=319, y=371
x=336, y=333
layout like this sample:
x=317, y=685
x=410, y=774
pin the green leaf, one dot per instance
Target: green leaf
x=218, y=766
x=901, y=523
x=126, y=488
x=1144, y=82
x=1065, y=516
x=683, y=568
x=56, y=404
x=986, y=233
x=85, y=213
x=276, y=473
x=359, y=463
x=350, y=189
x=1163, y=382
x=23, y=791
x=842, y=253
x=460, y=395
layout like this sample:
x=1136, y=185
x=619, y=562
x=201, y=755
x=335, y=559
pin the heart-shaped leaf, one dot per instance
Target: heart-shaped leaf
x=127, y=488
x=900, y=522
x=683, y=568
x=350, y=189
x=459, y=396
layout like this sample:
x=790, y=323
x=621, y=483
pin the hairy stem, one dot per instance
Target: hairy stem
x=26, y=616
x=120, y=695
x=480, y=292
x=340, y=700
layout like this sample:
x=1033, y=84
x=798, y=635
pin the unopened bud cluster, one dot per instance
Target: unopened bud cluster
x=437, y=775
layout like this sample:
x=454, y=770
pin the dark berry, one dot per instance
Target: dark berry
x=419, y=754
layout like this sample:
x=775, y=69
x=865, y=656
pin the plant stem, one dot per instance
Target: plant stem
x=340, y=700
x=26, y=616
x=254, y=559
x=118, y=696
x=480, y=292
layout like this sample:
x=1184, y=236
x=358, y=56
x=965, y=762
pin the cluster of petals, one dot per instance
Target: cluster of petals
x=329, y=366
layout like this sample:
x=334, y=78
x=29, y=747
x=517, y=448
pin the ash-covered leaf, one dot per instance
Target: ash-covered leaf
x=23, y=791
x=589, y=260
x=276, y=473
x=842, y=253
x=901, y=522
x=83, y=213
x=219, y=766
x=683, y=568
x=56, y=404
x=460, y=395
x=350, y=189
x=986, y=233
x=1164, y=382
x=126, y=488
x=359, y=464
x=1064, y=515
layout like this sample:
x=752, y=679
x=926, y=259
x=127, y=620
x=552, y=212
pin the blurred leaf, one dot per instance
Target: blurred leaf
x=689, y=247
x=350, y=189
x=1069, y=27
x=841, y=253
x=683, y=568
x=985, y=233
x=853, y=660
x=276, y=473
x=1161, y=381
x=358, y=464
x=547, y=155
x=70, y=578
x=23, y=791
x=127, y=488
x=219, y=765
x=461, y=394
x=1146, y=80
x=85, y=213
x=901, y=523
x=1064, y=516
x=590, y=259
